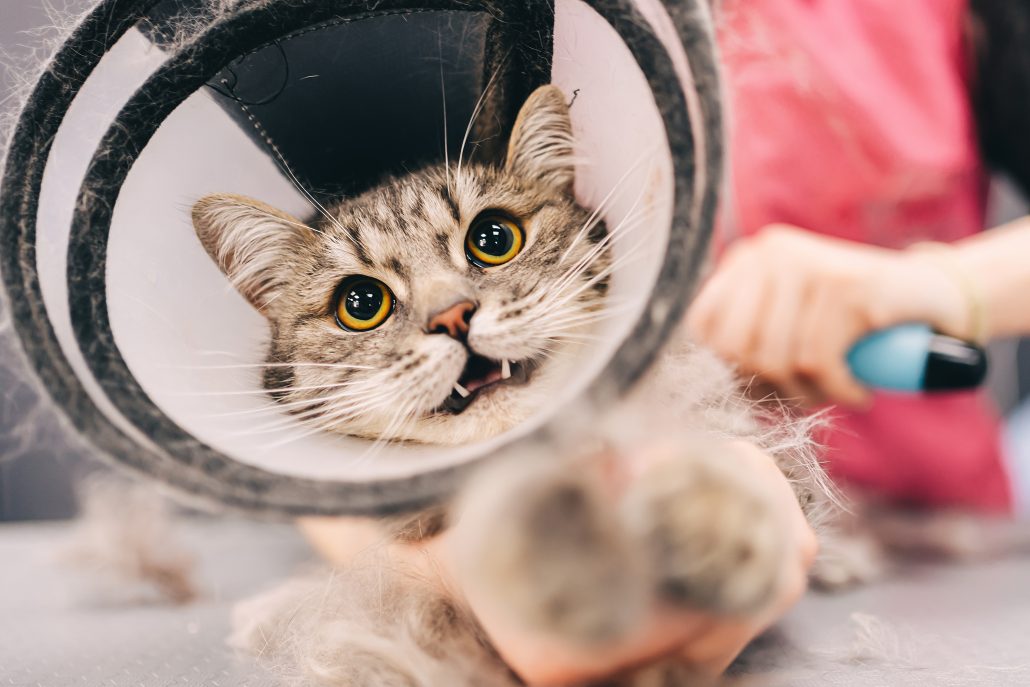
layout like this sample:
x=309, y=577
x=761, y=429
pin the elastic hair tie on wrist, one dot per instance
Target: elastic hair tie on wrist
x=943, y=254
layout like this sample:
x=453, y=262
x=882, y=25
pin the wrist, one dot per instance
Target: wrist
x=959, y=307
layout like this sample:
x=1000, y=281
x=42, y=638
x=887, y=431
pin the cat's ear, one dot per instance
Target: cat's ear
x=251, y=242
x=541, y=144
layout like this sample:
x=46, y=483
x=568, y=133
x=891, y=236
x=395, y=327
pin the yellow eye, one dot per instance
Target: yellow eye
x=363, y=303
x=493, y=240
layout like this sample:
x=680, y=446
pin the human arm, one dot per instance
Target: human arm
x=787, y=304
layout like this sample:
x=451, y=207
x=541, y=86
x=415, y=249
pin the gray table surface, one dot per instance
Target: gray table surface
x=932, y=625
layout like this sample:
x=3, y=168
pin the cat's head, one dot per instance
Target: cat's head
x=444, y=306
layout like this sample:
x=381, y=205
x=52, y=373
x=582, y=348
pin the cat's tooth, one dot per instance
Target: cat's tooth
x=505, y=369
x=462, y=391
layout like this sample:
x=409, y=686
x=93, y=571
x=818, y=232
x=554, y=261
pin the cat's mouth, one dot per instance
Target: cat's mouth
x=482, y=373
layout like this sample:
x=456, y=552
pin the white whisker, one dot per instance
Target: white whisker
x=566, y=296
x=318, y=417
x=553, y=293
x=322, y=424
x=598, y=251
x=630, y=221
x=443, y=95
x=255, y=392
x=579, y=319
x=279, y=406
x=404, y=415
x=308, y=195
x=599, y=210
x=477, y=110
x=250, y=366
x=282, y=220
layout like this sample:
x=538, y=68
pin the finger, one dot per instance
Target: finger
x=825, y=336
x=548, y=661
x=837, y=381
x=774, y=345
x=712, y=652
x=710, y=300
x=740, y=317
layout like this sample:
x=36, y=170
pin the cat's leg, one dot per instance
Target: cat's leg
x=541, y=541
x=575, y=551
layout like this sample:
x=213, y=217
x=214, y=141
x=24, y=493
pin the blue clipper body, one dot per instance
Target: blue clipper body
x=914, y=358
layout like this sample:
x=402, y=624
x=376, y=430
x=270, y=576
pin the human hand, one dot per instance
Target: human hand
x=786, y=305
x=703, y=643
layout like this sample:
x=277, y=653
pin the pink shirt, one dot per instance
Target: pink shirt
x=852, y=118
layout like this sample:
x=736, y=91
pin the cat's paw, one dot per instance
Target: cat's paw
x=565, y=551
x=714, y=537
x=544, y=544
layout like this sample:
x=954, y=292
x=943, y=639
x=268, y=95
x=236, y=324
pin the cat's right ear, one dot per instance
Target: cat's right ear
x=251, y=242
x=541, y=145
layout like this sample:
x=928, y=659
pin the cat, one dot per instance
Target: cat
x=444, y=307
x=453, y=294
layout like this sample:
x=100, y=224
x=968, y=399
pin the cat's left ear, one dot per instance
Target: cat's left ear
x=541, y=145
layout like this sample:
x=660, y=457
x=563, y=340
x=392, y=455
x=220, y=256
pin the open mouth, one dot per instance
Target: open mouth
x=480, y=374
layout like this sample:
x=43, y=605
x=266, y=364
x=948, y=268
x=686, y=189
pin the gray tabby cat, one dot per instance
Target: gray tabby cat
x=458, y=296
x=453, y=293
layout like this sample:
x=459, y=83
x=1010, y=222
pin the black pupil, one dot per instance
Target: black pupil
x=493, y=238
x=364, y=300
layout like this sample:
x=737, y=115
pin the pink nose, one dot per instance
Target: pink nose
x=454, y=321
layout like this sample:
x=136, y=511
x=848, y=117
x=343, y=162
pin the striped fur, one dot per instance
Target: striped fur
x=409, y=233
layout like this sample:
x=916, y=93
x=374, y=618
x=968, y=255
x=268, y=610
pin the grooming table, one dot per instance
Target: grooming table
x=928, y=626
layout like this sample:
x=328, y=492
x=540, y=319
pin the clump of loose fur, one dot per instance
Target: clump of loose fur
x=374, y=622
x=125, y=540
